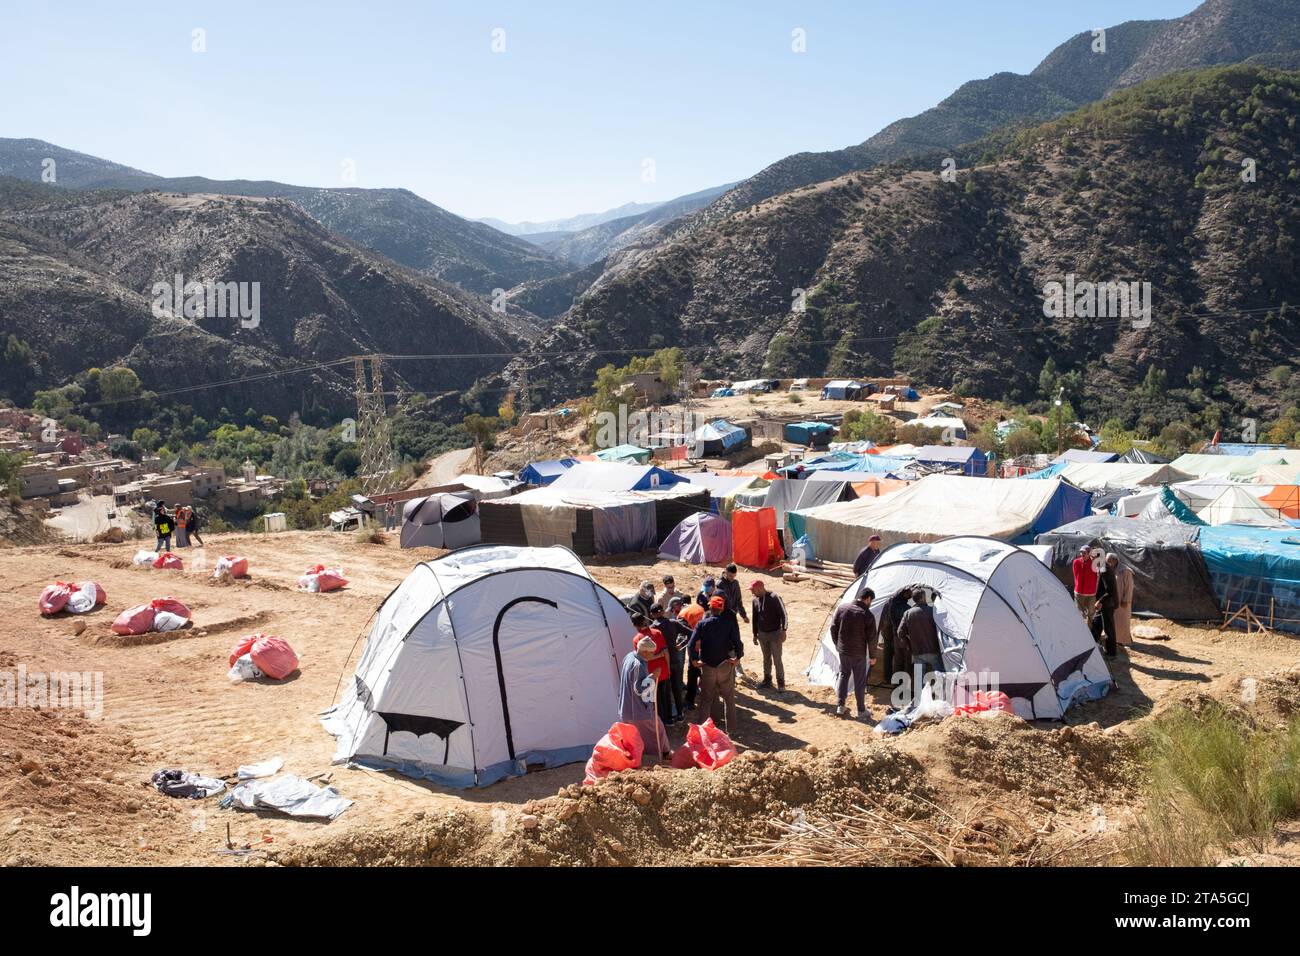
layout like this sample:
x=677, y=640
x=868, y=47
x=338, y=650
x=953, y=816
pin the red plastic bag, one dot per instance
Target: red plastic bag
x=171, y=606
x=321, y=578
x=55, y=596
x=169, y=561
x=983, y=701
x=235, y=565
x=135, y=620
x=620, y=749
x=706, y=746
x=272, y=655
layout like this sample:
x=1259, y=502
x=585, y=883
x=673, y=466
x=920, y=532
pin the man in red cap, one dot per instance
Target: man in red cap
x=769, y=623
x=716, y=649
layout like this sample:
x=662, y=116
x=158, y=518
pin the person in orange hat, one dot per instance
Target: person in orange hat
x=716, y=649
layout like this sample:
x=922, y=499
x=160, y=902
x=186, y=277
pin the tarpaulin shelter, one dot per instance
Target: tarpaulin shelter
x=968, y=461
x=809, y=433
x=1199, y=492
x=1170, y=577
x=631, y=454
x=1095, y=476
x=999, y=611
x=589, y=522
x=722, y=393
x=615, y=476
x=488, y=486
x=723, y=488
x=936, y=506
x=1082, y=454
x=544, y=472
x=754, y=541
x=1164, y=505
x=699, y=539
x=1259, y=567
x=1136, y=456
x=786, y=496
x=954, y=429
x=1240, y=467
x=844, y=389
x=448, y=520
x=1285, y=499
x=844, y=462
x=717, y=438
x=483, y=663
x=1278, y=475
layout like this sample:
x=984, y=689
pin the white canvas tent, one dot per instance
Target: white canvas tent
x=482, y=663
x=447, y=520
x=1000, y=611
x=1237, y=505
x=1095, y=476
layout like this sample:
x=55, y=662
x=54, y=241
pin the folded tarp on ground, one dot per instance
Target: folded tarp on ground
x=1170, y=577
x=940, y=506
x=1256, y=566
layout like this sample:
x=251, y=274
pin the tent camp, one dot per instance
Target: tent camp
x=1239, y=467
x=723, y=488
x=699, y=539
x=844, y=389
x=630, y=454
x=999, y=611
x=809, y=433
x=1169, y=573
x=936, y=506
x=1136, y=456
x=1236, y=505
x=967, y=461
x=717, y=438
x=1259, y=567
x=483, y=663
x=615, y=476
x=448, y=520
x=544, y=472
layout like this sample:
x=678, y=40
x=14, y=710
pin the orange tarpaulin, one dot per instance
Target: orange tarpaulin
x=754, y=542
x=875, y=487
x=1285, y=498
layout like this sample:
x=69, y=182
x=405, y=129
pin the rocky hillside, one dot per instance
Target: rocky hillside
x=1072, y=75
x=944, y=280
x=77, y=276
x=395, y=222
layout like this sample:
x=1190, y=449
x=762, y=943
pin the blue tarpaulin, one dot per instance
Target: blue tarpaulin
x=1259, y=567
x=545, y=472
x=808, y=433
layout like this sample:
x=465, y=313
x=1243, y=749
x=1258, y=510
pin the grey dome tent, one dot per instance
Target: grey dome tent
x=1000, y=611
x=448, y=520
x=700, y=539
x=482, y=663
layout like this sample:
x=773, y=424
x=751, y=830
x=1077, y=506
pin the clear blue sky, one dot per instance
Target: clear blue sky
x=558, y=124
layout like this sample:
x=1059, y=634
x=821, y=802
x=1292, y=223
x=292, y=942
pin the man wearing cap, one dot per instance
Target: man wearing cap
x=640, y=602
x=769, y=623
x=715, y=650
x=867, y=556
x=1085, y=582
x=706, y=591
x=853, y=629
x=637, y=693
x=729, y=587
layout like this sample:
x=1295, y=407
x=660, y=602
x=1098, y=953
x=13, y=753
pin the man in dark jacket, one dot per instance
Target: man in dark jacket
x=163, y=525
x=729, y=587
x=918, y=633
x=853, y=629
x=890, y=615
x=676, y=633
x=867, y=556
x=1107, y=602
x=715, y=649
x=769, y=624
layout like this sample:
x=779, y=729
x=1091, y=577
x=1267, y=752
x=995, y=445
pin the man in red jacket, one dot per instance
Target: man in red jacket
x=1085, y=583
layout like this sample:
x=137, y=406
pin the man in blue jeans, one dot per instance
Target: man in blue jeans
x=853, y=630
x=163, y=525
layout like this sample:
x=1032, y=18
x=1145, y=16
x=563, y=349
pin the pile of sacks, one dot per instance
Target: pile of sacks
x=167, y=560
x=161, y=614
x=622, y=749
x=320, y=578
x=262, y=655
x=73, y=598
x=234, y=565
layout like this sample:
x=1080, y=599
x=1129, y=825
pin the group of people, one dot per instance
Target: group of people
x=1103, y=593
x=183, y=523
x=688, y=650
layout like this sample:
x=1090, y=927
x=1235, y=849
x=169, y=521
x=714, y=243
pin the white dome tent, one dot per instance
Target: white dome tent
x=483, y=662
x=449, y=520
x=1000, y=611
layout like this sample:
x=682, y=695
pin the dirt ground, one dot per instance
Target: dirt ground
x=75, y=789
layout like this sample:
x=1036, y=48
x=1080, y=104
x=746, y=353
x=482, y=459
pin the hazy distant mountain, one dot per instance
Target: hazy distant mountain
x=395, y=222
x=572, y=223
